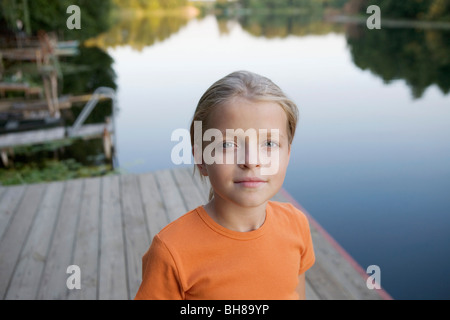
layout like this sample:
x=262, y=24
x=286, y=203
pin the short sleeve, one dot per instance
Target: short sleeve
x=160, y=278
x=307, y=252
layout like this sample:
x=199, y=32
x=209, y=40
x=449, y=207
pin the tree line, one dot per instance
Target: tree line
x=35, y=15
x=47, y=15
x=288, y=3
x=150, y=4
x=432, y=10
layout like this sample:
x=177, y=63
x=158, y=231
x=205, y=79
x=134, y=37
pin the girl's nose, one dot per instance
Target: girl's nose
x=251, y=156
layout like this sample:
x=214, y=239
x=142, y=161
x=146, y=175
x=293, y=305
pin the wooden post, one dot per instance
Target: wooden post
x=54, y=92
x=48, y=95
x=107, y=143
x=26, y=17
x=2, y=68
x=4, y=156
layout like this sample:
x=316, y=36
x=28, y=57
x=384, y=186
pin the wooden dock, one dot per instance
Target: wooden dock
x=105, y=225
x=31, y=137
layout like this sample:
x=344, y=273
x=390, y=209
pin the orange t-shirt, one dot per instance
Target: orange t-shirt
x=196, y=258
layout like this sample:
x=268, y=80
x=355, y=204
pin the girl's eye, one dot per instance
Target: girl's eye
x=271, y=144
x=228, y=145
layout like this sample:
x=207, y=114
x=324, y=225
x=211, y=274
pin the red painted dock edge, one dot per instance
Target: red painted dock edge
x=383, y=294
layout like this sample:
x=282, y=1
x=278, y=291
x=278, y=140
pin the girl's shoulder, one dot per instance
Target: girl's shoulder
x=285, y=207
x=180, y=226
x=289, y=214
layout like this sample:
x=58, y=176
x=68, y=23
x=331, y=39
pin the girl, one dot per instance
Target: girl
x=240, y=245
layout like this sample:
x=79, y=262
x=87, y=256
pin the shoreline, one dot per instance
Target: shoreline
x=391, y=23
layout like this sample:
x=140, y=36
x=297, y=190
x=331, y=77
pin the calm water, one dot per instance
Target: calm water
x=371, y=157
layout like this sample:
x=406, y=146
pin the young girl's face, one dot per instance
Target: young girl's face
x=246, y=182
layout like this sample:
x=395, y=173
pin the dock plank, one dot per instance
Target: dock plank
x=172, y=199
x=338, y=271
x=86, y=248
x=14, y=237
x=28, y=272
x=112, y=270
x=153, y=205
x=53, y=280
x=136, y=235
x=310, y=293
x=191, y=195
x=10, y=199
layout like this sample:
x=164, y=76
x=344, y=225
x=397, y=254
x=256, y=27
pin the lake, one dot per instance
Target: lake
x=371, y=156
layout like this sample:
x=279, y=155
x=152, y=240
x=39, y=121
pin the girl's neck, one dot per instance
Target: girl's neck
x=235, y=217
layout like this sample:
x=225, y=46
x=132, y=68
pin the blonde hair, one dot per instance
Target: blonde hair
x=246, y=85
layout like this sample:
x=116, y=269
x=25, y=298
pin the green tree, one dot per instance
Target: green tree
x=435, y=10
x=150, y=4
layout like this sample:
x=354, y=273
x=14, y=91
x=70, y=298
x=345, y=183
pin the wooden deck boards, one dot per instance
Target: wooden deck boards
x=105, y=225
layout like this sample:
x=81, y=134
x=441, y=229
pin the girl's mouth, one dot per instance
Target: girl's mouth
x=250, y=182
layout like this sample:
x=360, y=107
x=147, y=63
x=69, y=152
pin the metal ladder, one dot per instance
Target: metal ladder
x=98, y=93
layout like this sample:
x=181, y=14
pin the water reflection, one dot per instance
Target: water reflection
x=284, y=25
x=420, y=57
x=140, y=31
x=417, y=56
x=89, y=69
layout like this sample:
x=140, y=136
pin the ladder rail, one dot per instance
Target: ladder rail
x=90, y=105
